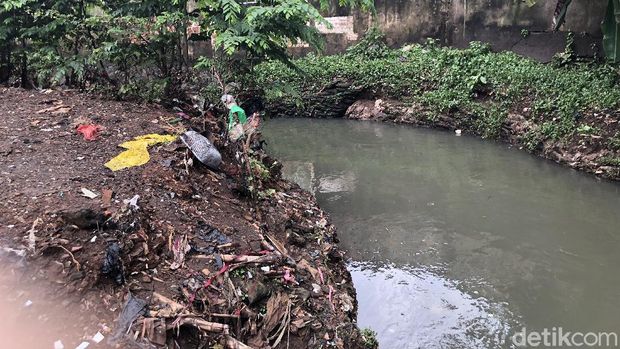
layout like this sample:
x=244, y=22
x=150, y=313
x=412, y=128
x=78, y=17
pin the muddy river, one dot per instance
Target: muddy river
x=456, y=242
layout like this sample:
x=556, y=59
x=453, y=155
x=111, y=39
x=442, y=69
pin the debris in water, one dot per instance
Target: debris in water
x=458, y=132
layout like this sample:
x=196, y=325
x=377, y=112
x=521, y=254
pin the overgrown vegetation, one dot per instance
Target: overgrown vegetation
x=610, y=161
x=475, y=82
x=370, y=338
x=142, y=48
x=614, y=142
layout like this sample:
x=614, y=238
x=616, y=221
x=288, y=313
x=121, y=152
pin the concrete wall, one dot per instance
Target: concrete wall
x=458, y=22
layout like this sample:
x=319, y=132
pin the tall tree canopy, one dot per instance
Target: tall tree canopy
x=71, y=41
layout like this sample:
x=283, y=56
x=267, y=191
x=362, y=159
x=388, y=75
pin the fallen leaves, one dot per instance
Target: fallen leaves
x=276, y=309
x=57, y=109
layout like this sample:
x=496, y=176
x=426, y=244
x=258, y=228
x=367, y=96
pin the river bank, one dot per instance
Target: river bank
x=167, y=253
x=567, y=112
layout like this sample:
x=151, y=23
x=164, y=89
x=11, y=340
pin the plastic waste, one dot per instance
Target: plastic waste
x=137, y=151
x=112, y=263
x=133, y=202
x=215, y=236
x=133, y=308
x=202, y=149
x=83, y=345
x=90, y=132
x=98, y=337
x=89, y=193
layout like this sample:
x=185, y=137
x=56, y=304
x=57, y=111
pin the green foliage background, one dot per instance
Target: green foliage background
x=475, y=82
x=142, y=47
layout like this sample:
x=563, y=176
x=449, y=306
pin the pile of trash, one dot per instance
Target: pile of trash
x=213, y=250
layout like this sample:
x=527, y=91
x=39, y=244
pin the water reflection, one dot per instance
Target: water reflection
x=507, y=240
x=424, y=310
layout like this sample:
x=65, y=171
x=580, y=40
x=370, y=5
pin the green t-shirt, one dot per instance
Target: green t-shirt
x=240, y=113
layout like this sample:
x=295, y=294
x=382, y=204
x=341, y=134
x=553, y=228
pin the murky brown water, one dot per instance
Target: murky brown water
x=457, y=242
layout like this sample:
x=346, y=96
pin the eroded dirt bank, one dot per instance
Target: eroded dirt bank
x=192, y=260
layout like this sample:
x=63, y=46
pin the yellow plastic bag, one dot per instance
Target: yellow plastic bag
x=137, y=151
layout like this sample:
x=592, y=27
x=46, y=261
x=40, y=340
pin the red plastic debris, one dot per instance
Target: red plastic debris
x=220, y=272
x=90, y=132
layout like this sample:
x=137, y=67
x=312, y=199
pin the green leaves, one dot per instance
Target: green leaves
x=475, y=82
x=11, y=5
x=118, y=42
x=264, y=29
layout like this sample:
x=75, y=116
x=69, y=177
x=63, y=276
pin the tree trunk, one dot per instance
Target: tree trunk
x=25, y=81
x=5, y=64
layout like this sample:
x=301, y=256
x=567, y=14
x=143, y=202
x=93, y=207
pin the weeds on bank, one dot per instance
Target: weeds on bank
x=610, y=161
x=474, y=81
x=370, y=338
x=614, y=142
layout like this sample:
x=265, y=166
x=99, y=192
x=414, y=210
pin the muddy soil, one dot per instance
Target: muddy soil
x=193, y=261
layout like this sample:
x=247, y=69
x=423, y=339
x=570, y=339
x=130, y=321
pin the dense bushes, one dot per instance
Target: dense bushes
x=141, y=48
x=472, y=81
